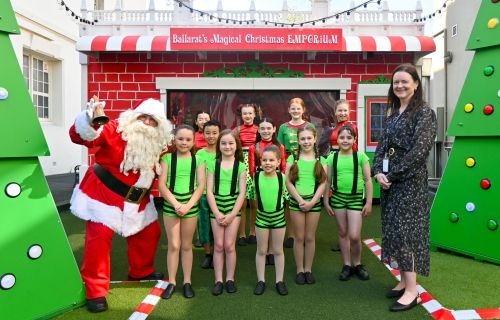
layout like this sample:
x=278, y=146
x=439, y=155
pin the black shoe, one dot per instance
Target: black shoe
x=396, y=306
x=242, y=241
x=231, y=286
x=153, y=276
x=207, y=262
x=259, y=288
x=309, y=278
x=335, y=247
x=361, y=272
x=97, y=305
x=168, y=292
x=188, y=290
x=270, y=260
x=300, y=278
x=281, y=288
x=346, y=273
x=394, y=293
x=289, y=243
x=252, y=239
x=198, y=243
x=217, y=289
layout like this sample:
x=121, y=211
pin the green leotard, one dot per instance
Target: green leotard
x=224, y=198
x=287, y=135
x=181, y=186
x=270, y=196
x=306, y=183
x=205, y=157
x=345, y=172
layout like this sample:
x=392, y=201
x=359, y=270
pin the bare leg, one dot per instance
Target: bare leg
x=253, y=216
x=289, y=221
x=188, y=226
x=218, y=232
x=298, y=219
x=411, y=292
x=173, y=229
x=344, y=243
x=312, y=219
x=354, y=223
x=278, y=235
x=229, y=247
x=243, y=220
x=260, y=255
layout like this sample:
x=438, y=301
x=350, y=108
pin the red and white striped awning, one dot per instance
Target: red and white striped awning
x=134, y=43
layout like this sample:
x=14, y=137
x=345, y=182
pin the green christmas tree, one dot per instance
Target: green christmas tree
x=465, y=216
x=38, y=273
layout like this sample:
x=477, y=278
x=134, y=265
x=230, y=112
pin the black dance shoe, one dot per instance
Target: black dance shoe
x=168, y=292
x=188, y=290
x=97, y=305
x=300, y=278
x=259, y=288
x=217, y=289
x=231, y=286
x=281, y=288
x=152, y=276
x=346, y=273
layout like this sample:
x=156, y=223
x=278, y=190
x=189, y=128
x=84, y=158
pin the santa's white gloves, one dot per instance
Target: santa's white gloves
x=91, y=106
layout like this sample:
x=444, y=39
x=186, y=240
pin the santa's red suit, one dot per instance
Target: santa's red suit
x=107, y=212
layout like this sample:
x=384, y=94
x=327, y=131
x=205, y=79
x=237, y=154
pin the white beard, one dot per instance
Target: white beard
x=144, y=146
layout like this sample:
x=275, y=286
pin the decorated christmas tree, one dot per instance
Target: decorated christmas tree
x=465, y=216
x=38, y=273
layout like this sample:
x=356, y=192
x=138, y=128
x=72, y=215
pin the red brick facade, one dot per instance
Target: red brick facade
x=125, y=78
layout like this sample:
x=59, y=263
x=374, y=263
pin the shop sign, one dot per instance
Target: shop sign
x=261, y=39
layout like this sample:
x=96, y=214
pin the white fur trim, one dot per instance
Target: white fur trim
x=145, y=179
x=126, y=223
x=152, y=107
x=84, y=129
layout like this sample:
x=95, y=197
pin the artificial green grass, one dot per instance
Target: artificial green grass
x=457, y=282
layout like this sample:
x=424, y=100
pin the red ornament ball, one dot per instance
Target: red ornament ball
x=485, y=184
x=488, y=109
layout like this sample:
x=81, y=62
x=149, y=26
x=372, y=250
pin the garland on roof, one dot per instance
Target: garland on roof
x=75, y=15
x=282, y=24
x=429, y=16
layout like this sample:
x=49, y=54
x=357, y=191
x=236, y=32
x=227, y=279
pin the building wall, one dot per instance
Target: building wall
x=124, y=78
x=48, y=32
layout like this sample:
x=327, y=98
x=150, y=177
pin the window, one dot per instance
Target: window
x=376, y=112
x=36, y=74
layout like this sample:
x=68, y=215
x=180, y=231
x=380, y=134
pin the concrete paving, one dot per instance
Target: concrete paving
x=61, y=186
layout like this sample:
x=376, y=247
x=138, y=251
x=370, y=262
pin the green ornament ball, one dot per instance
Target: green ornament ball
x=492, y=225
x=489, y=70
x=453, y=217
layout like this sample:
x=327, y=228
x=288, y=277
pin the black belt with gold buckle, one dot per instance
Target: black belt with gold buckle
x=131, y=194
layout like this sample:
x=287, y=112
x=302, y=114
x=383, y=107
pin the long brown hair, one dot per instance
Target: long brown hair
x=319, y=171
x=416, y=101
x=256, y=109
x=238, y=155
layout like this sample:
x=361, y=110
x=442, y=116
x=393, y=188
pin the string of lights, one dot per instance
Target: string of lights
x=282, y=24
x=77, y=17
x=429, y=16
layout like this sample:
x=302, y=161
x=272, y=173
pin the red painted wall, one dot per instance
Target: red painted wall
x=125, y=78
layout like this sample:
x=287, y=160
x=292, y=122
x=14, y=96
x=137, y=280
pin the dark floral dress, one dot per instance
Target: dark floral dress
x=405, y=207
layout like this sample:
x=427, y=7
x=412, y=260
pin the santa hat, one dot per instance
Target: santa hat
x=151, y=107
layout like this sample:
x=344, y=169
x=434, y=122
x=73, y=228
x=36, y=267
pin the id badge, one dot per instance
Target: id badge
x=385, y=164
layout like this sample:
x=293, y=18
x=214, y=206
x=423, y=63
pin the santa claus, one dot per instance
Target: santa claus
x=113, y=196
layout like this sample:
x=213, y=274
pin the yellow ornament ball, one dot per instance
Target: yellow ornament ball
x=468, y=107
x=493, y=23
x=470, y=162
